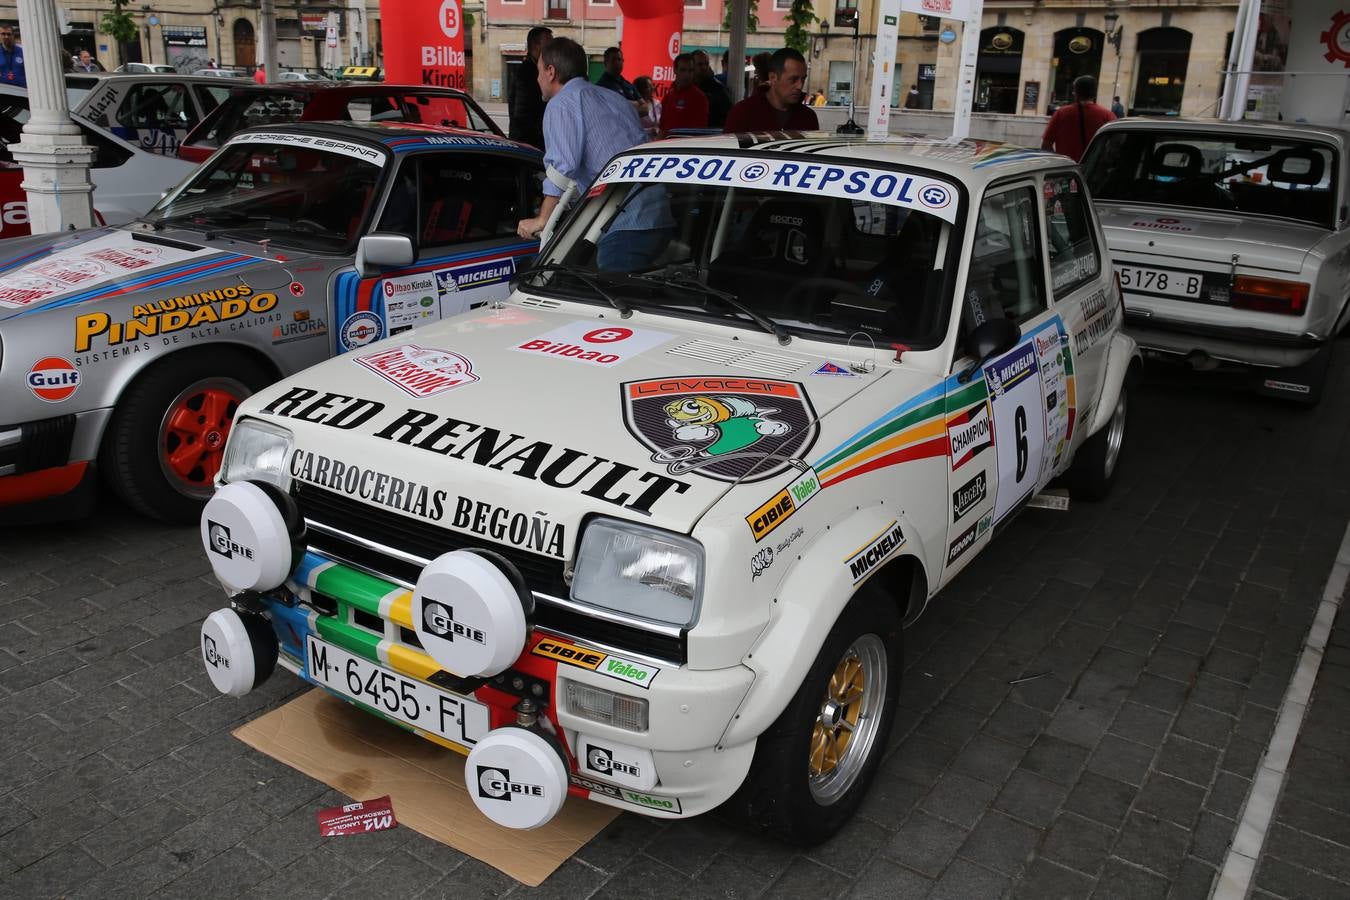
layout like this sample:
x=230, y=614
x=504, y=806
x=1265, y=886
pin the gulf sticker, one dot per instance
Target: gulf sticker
x=53, y=379
x=895, y=188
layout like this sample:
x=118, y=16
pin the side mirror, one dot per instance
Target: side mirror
x=988, y=340
x=383, y=250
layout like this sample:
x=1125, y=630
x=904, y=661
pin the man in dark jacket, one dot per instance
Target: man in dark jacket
x=779, y=108
x=525, y=102
x=612, y=78
x=719, y=101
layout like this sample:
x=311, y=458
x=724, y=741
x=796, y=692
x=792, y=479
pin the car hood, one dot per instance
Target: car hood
x=47, y=272
x=1260, y=243
x=553, y=413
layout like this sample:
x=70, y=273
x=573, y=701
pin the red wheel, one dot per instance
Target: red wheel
x=192, y=435
x=166, y=440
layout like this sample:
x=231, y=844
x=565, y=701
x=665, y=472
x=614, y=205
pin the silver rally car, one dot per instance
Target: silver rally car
x=128, y=349
x=1231, y=241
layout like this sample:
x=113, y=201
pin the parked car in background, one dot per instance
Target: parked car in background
x=78, y=84
x=304, y=76
x=648, y=531
x=128, y=179
x=152, y=111
x=276, y=105
x=127, y=349
x=361, y=73
x=222, y=73
x=1231, y=241
x=140, y=68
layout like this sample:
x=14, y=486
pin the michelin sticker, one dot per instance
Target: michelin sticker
x=912, y=191
x=461, y=288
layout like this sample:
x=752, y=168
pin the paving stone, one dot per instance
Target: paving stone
x=53, y=875
x=401, y=874
x=1154, y=844
x=1047, y=881
x=1031, y=798
x=1078, y=724
x=808, y=880
x=1002, y=844
x=1101, y=799
x=1127, y=882
x=722, y=879
x=925, y=844
x=1121, y=760
x=1079, y=844
x=1170, y=662
x=1017, y=724
x=1188, y=760
x=1308, y=851
x=988, y=759
x=1313, y=818
x=959, y=799
x=964, y=879
x=1159, y=693
x=134, y=878
x=1196, y=879
x=883, y=880
x=1204, y=725
x=1141, y=724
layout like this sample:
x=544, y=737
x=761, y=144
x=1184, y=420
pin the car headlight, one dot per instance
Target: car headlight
x=257, y=451
x=639, y=571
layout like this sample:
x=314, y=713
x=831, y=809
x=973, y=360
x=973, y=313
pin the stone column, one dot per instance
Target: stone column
x=53, y=153
x=267, y=31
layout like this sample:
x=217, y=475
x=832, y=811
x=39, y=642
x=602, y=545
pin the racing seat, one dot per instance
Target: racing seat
x=1175, y=173
x=783, y=244
x=901, y=279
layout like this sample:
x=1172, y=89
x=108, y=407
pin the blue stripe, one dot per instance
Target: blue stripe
x=932, y=393
x=304, y=571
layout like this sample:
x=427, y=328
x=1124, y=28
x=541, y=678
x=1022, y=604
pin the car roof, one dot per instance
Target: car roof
x=148, y=77
x=340, y=89
x=971, y=162
x=1335, y=134
x=395, y=135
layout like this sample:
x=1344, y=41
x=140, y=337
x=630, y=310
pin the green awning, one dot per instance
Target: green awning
x=716, y=51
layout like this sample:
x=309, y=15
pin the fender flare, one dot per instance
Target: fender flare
x=1121, y=357
x=810, y=599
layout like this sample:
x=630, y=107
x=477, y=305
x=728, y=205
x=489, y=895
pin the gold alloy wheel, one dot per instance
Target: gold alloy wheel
x=849, y=718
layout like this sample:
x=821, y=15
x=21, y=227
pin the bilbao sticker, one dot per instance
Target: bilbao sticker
x=596, y=345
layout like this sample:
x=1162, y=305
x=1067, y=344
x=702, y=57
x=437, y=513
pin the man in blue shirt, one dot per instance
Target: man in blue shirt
x=585, y=125
x=11, y=59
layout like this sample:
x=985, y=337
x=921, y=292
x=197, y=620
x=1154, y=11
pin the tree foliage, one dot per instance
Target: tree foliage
x=751, y=16
x=118, y=24
x=800, y=18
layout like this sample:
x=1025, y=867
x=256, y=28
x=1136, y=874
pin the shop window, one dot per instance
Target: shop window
x=1161, y=81
x=998, y=70
x=1078, y=52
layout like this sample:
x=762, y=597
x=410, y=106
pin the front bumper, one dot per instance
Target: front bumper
x=687, y=711
x=1242, y=345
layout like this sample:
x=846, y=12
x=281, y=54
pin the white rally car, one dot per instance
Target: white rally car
x=1231, y=240
x=648, y=530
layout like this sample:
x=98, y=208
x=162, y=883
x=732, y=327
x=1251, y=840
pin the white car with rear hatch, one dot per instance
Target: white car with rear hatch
x=1231, y=241
x=648, y=530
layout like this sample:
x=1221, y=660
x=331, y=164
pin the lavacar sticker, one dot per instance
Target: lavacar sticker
x=730, y=429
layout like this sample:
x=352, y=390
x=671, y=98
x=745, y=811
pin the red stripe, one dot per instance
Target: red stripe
x=936, y=447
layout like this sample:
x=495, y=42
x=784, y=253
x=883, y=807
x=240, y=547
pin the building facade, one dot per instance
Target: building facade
x=1162, y=57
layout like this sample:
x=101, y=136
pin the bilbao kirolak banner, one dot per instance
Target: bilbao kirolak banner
x=651, y=40
x=423, y=42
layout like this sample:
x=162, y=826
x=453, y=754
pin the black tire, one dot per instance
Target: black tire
x=135, y=457
x=1301, y=385
x=1096, y=463
x=778, y=796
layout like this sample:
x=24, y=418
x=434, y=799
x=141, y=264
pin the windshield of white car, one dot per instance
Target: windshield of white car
x=296, y=196
x=1250, y=175
x=825, y=267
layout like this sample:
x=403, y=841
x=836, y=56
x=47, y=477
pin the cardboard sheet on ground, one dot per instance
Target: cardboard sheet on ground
x=365, y=757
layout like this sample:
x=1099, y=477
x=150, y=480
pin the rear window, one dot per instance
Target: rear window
x=1288, y=178
x=249, y=110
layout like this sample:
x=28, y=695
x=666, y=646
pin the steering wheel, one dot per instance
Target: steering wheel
x=821, y=303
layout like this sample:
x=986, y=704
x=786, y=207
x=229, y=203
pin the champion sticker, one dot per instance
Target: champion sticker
x=969, y=433
x=53, y=379
x=420, y=371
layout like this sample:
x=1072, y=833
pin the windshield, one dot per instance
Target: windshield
x=274, y=107
x=781, y=245
x=276, y=187
x=1282, y=177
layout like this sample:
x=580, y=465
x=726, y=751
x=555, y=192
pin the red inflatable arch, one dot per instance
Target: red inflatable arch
x=651, y=40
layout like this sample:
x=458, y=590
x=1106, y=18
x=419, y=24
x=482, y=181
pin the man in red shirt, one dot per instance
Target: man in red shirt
x=1072, y=126
x=685, y=106
x=779, y=108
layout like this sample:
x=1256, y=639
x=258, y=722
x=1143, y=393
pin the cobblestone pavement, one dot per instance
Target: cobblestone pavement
x=1082, y=710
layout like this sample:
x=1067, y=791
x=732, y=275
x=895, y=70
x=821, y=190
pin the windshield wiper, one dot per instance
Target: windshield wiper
x=588, y=277
x=696, y=286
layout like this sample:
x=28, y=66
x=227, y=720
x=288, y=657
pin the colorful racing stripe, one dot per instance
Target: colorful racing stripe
x=163, y=278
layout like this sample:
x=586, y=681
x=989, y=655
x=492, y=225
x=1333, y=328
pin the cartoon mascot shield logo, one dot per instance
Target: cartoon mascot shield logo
x=731, y=429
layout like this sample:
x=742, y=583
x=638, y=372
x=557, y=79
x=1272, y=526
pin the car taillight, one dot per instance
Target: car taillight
x=1289, y=298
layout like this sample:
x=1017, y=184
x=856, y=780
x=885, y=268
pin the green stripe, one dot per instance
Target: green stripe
x=971, y=393
x=913, y=417
x=355, y=588
x=349, y=637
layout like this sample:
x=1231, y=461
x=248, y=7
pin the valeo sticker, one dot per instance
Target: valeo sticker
x=639, y=674
x=650, y=801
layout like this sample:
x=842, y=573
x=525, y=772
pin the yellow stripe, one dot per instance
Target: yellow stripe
x=400, y=610
x=920, y=432
x=411, y=662
x=437, y=739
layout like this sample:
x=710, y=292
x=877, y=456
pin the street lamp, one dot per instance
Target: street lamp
x=1114, y=34
x=818, y=45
